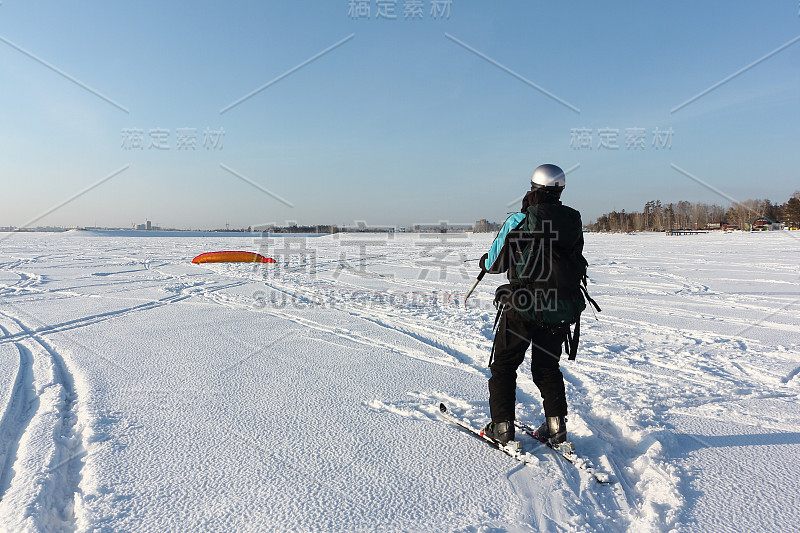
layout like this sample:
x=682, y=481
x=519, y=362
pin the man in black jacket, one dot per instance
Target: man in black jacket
x=540, y=248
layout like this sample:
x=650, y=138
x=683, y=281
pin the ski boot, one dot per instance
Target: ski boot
x=501, y=432
x=554, y=431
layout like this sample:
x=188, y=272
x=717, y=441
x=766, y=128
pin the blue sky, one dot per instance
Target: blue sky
x=400, y=123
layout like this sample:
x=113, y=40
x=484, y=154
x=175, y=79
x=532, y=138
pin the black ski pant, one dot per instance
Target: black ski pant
x=514, y=335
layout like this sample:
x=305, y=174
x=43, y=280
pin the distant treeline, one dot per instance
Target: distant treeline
x=659, y=217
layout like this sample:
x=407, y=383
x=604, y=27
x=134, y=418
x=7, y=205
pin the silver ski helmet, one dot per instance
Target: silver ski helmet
x=550, y=178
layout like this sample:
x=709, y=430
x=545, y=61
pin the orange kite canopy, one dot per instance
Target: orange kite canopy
x=232, y=257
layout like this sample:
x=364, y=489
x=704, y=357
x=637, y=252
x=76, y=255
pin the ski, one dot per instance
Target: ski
x=565, y=452
x=512, y=449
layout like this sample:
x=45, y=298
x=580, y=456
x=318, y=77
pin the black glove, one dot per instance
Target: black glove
x=482, y=262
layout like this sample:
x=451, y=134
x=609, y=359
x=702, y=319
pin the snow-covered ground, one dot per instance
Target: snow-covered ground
x=140, y=392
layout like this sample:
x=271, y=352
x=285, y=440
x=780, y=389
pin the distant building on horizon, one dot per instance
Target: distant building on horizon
x=484, y=226
x=147, y=226
x=767, y=224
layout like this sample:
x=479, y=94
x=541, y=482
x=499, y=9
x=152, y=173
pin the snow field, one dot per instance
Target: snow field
x=141, y=392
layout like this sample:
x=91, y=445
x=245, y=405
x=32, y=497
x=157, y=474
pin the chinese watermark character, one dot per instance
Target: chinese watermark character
x=438, y=252
x=386, y=9
x=359, y=9
x=132, y=139
x=581, y=138
x=440, y=8
x=414, y=9
x=608, y=138
x=635, y=138
x=213, y=139
x=662, y=139
x=186, y=138
x=159, y=139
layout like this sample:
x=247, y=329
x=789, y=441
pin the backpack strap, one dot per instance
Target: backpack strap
x=572, y=339
x=500, y=309
x=502, y=296
x=591, y=301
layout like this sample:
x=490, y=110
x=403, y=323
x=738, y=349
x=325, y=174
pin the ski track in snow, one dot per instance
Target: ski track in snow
x=37, y=495
x=19, y=410
x=42, y=439
x=672, y=345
